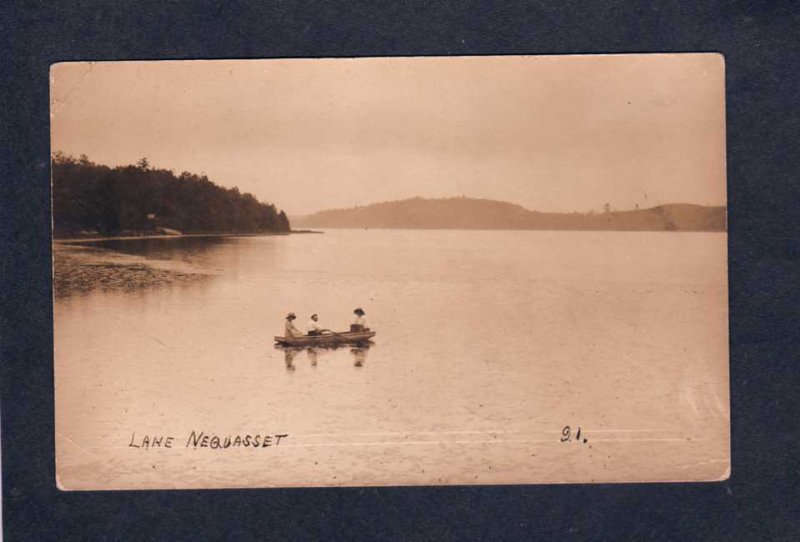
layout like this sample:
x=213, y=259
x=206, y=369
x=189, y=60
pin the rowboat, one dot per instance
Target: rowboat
x=328, y=339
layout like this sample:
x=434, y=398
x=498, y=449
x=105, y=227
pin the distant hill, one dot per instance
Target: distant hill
x=91, y=198
x=483, y=214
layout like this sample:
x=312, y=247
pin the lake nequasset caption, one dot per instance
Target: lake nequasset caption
x=212, y=441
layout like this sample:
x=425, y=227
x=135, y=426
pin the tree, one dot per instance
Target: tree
x=143, y=163
x=607, y=208
x=60, y=158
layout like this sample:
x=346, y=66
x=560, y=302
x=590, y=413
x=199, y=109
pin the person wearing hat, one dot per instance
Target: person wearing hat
x=361, y=323
x=291, y=330
x=313, y=326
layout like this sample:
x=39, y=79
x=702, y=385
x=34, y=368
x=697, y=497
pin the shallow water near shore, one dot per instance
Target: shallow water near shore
x=489, y=344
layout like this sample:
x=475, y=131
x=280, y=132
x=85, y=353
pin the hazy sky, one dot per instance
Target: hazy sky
x=555, y=133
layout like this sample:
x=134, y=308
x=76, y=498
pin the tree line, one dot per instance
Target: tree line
x=90, y=197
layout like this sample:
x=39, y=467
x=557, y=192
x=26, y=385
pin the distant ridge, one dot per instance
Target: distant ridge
x=483, y=214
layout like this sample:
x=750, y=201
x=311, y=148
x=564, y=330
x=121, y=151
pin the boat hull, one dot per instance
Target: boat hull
x=350, y=337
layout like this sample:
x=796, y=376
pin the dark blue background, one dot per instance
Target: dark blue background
x=760, y=42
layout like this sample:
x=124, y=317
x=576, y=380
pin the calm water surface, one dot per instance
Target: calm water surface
x=488, y=344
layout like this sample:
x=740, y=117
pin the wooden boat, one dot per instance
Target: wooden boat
x=327, y=339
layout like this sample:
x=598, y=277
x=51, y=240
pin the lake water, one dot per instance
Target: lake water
x=488, y=344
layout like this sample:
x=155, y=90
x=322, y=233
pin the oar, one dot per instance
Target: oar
x=348, y=339
x=337, y=334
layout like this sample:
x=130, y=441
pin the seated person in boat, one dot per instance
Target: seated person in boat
x=361, y=323
x=291, y=331
x=313, y=326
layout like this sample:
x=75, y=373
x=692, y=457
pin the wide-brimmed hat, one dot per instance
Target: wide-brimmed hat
x=291, y=316
x=359, y=311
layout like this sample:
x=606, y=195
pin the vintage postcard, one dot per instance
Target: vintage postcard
x=390, y=271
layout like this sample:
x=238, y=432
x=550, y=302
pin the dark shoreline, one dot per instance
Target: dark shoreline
x=88, y=239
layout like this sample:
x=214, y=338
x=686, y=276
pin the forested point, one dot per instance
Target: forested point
x=91, y=198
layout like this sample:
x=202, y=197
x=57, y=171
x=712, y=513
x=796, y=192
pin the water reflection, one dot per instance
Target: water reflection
x=313, y=354
x=174, y=248
x=133, y=265
x=359, y=355
x=290, y=353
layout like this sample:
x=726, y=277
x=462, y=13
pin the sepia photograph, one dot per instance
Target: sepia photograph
x=390, y=271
